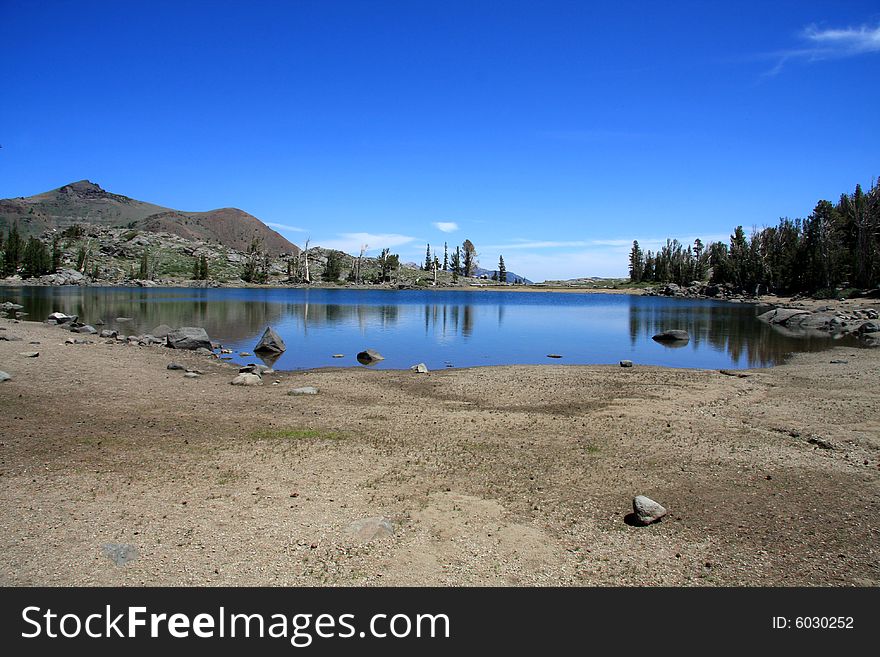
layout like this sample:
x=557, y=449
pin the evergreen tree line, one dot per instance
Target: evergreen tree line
x=463, y=261
x=836, y=246
x=30, y=257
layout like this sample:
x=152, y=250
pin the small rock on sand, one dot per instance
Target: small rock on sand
x=305, y=390
x=4, y=376
x=421, y=368
x=647, y=510
x=247, y=380
x=29, y=354
x=191, y=375
x=626, y=363
x=174, y=366
x=371, y=529
x=119, y=553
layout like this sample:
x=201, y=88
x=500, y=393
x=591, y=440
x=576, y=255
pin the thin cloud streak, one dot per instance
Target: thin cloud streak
x=445, y=226
x=834, y=43
x=294, y=229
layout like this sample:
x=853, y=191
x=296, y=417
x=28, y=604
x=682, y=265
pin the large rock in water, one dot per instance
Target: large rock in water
x=188, y=337
x=674, y=335
x=369, y=356
x=647, y=510
x=270, y=342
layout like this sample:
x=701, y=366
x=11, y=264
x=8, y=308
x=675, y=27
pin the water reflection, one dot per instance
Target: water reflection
x=731, y=328
x=438, y=328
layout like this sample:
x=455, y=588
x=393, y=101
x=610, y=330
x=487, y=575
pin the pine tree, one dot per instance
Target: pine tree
x=56, y=253
x=636, y=263
x=502, y=270
x=203, y=268
x=13, y=251
x=470, y=258
x=35, y=259
x=445, y=257
x=144, y=271
x=456, y=263
x=428, y=259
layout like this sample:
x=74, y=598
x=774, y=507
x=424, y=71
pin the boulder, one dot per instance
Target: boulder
x=85, y=328
x=61, y=318
x=869, y=327
x=647, y=510
x=4, y=376
x=247, y=380
x=871, y=339
x=305, y=390
x=369, y=356
x=626, y=363
x=270, y=341
x=10, y=306
x=108, y=334
x=188, y=337
x=161, y=331
x=421, y=368
x=675, y=335
x=174, y=366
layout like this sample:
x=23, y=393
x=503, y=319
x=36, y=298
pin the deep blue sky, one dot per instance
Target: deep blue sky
x=553, y=133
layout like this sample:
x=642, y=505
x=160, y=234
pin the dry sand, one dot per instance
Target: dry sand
x=501, y=475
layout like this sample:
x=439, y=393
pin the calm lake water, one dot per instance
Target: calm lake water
x=437, y=327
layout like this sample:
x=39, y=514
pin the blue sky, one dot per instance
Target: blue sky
x=553, y=133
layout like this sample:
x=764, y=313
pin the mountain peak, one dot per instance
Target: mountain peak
x=83, y=186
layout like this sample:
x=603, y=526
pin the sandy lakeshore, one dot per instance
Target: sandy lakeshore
x=517, y=475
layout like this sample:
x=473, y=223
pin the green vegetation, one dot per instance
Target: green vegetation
x=35, y=260
x=333, y=268
x=200, y=269
x=12, y=251
x=294, y=434
x=256, y=267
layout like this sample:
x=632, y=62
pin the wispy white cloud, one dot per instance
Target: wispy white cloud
x=445, y=226
x=352, y=242
x=294, y=229
x=849, y=41
x=833, y=43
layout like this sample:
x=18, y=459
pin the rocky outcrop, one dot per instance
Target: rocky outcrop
x=860, y=322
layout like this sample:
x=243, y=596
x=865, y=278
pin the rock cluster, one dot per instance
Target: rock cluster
x=862, y=323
